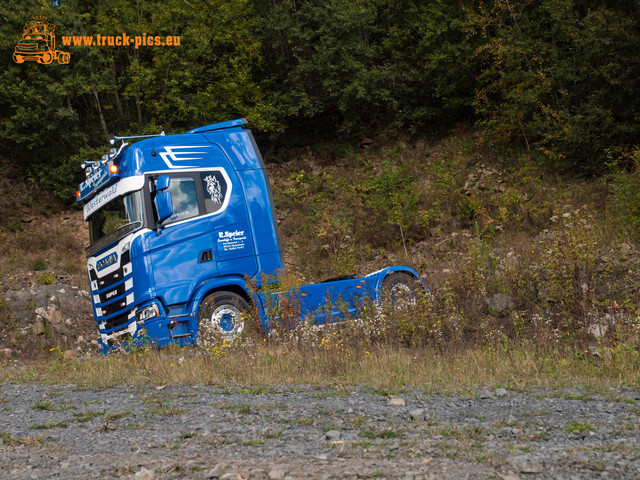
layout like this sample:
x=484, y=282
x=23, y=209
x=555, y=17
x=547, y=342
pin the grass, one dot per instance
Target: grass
x=384, y=433
x=49, y=426
x=578, y=427
x=11, y=440
x=521, y=367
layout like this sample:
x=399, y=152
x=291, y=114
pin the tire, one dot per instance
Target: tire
x=63, y=58
x=221, y=316
x=400, y=290
x=18, y=58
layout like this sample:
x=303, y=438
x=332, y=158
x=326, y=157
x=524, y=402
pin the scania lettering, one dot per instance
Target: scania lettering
x=183, y=233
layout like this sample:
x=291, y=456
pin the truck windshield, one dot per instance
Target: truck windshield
x=114, y=220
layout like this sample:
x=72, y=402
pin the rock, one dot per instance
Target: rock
x=397, y=401
x=215, y=472
x=258, y=474
x=38, y=327
x=80, y=339
x=55, y=316
x=417, y=415
x=70, y=354
x=333, y=435
x=499, y=304
x=276, y=474
x=230, y=476
x=598, y=330
x=603, y=353
x=43, y=312
x=484, y=393
x=6, y=353
x=526, y=464
x=145, y=474
x=501, y=392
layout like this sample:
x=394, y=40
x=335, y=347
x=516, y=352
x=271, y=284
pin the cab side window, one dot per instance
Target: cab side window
x=214, y=187
x=184, y=199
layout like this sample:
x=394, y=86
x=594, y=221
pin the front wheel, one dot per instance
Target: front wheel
x=222, y=315
x=400, y=290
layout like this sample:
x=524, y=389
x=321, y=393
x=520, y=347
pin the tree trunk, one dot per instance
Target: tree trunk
x=103, y=123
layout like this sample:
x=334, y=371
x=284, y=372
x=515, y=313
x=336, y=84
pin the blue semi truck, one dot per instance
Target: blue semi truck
x=183, y=234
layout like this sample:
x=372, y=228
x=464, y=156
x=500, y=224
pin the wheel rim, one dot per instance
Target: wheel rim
x=402, y=296
x=227, y=321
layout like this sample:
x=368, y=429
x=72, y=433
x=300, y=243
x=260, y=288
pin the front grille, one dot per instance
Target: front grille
x=113, y=293
x=113, y=286
x=114, y=307
x=116, y=321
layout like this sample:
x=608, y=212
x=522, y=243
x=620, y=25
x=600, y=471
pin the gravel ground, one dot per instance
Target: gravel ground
x=201, y=432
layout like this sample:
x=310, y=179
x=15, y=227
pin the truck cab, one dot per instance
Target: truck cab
x=183, y=231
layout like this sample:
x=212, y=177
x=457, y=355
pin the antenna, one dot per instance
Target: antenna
x=115, y=139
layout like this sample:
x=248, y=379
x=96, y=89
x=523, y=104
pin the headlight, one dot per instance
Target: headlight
x=146, y=313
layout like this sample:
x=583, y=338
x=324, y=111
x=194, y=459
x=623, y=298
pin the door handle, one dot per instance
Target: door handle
x=206, y=256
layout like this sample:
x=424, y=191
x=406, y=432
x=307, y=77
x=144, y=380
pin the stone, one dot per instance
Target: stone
x=145, y=474
x=230, y=476
x=526, y=464
x=500, y=304
x=38, y=327
x=258, y=474
x=598, y=330
x=6, y=353
x=43, y=312
x=501, y=392
x=276, y=474
x=396, y=401
x=215, y=472
x=70, y=354
x=55, y=316
x=417, y=415
x=333, y=435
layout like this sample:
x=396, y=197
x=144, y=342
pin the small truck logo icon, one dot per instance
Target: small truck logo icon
x=38, y=43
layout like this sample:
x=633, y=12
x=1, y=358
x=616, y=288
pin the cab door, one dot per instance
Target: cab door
x=181, y=251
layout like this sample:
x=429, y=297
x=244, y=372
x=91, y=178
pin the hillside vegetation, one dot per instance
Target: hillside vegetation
x=512, y=255
x=493, y=146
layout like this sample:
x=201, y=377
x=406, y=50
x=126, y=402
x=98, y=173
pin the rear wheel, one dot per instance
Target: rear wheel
x=399, y=290
x=222, y=315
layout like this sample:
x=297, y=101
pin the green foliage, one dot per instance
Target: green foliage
x=361, y=65
x=559, y=76
x=44, y=278
x=394, y=196
x=39, y=265
x=626, y=190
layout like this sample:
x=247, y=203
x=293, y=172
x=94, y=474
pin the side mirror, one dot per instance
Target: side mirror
x=164, y=205
x=162, y=183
